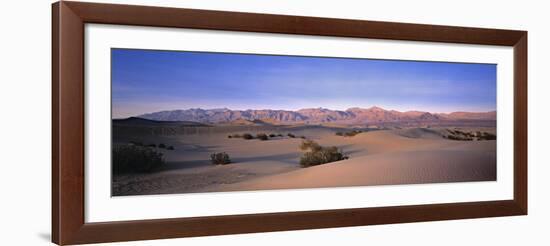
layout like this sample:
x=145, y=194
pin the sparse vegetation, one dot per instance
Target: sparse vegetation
x=221, y=158
x=161, y=145
x=488, y=136
x=469, y=136
x=454, y=137
x=262, y=136
x=132, y=159
x=317, y=154
x=235, y=136
x=348, y=134
x=310, y=145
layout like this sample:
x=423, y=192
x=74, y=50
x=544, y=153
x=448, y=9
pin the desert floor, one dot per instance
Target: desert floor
x=381, y=157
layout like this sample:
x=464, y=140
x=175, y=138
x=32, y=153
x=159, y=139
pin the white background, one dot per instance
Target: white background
x=25, y=107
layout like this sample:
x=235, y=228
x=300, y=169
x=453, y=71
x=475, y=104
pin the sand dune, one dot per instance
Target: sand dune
x=400, y=156
x=388, y=158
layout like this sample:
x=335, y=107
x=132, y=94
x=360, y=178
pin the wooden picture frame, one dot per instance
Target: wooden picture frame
x=68, y=223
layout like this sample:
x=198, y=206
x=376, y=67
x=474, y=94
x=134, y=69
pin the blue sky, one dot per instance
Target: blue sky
x=145, y=81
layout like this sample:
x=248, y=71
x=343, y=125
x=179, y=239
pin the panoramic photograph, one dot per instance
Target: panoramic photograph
x=189, y=122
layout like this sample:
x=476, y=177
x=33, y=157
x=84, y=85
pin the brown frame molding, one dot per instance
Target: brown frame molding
x=68, y=19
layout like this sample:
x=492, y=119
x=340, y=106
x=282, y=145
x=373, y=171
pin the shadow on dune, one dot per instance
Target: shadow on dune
x=176, y=165
x=288, y=158
x=353, y=151
x=197, y=147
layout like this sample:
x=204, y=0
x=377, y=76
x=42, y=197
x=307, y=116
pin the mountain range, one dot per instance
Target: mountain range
x=314, y=116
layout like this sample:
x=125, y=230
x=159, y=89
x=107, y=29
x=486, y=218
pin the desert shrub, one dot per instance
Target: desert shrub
x=290, y=135
x=162, y=146
x=310, y=145
x=132, y=159
x=170, y=147
x=248, y=136
x=235, y=136
x=152, y=145
x=352, y=133
x=459, y=137
x=221, y=158
x=262, y=136
x=348, y=134
x=452, y=137
x=279, y=135
x=488, y=136
x=229, y=136
x=272, y=135
x=321, y=155
x=469, y=136
x=303, y=137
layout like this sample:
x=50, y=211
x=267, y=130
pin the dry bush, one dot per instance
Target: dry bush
x=469, y=136
x=221, y=158
x=317, y=154
x=310, y=145
x=132, y=159
x=262, y=136
x=348, y=134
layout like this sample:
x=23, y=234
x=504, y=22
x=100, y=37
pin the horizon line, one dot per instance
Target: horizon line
x=295, y=110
